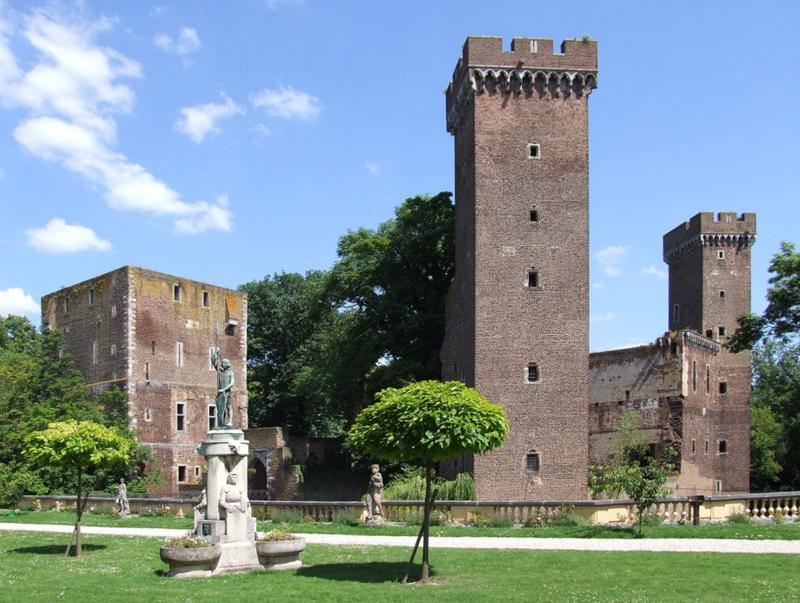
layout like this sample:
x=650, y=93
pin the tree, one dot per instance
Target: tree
x=425, y=423
x=781, y=319
x=632, y=469
x=81, y=448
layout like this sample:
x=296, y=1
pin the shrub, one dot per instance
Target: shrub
x=14, y=482
x=347, y=518
x=291, y=516
x=410, y=485
x=153, y=512
x=277, y=534
x=438, y=518
x=187, y=542
x=739, y=518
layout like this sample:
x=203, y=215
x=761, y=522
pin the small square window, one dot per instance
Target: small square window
x=720, y=254
x=534, y=215
x=709, y=333
x=721, y=331
x=181, y=474
x=177, y=293
x=533, y=278
x=534, y=151
x=722, y=446
x=723, y=387
x=205, y=299
x=532, y=374
x=722, y=294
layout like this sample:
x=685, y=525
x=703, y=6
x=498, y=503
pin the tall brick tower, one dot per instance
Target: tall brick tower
x=709, y=288
x=518, y=310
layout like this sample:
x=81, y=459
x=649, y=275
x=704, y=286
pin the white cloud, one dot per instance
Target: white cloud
x=72, y=92
x=372, y=168
x=59, y=237
x=288, y=103
x=598, y=285
x=655, y=271
x=610, y=259
x=16, y=301
x=262, y=129
x=608, y=316
x=201, y=120
x=186, y=43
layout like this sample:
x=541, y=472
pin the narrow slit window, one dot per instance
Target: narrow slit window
x=113, y=349
x=94, y=352
x=708, y=379
x=533, y=278
x=706, y=449
x=532, y=374
x=91, y=297
x=719, y=485
x=722, y=294
x=153, y=348
x=534, y=215
x=212, y=416
x=205, y=299
x=722, y=447
x=114, y=311
x=66, y=305
x=180, y=416
x=694, y=447
x=534, y=151
x=148, y=415
x=676, y=313
x=197, y=471
x=720, y=255
x=177, y=293
x=178, y=353
x=694, y=375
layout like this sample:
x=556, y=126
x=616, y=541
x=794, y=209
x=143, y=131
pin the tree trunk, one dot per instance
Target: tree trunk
x=426, y=522
x=79, y=513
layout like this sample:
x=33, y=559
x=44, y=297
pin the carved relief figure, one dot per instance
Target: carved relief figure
x=231, y=498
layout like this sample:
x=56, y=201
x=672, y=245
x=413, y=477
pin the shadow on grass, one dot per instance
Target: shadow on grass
x=57, y=549
x=373, y=572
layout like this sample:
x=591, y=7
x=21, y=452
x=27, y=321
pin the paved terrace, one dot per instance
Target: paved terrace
x=660, y=545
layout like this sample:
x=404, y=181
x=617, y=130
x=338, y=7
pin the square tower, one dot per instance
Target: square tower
x=709, y=288
x=151, y=334
x=517, y=326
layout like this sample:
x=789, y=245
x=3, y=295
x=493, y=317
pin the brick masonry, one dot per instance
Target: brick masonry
x=135, y=311
x=498, y=104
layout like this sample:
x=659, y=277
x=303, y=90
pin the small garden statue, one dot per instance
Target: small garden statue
x=375, y=509
x=200, y=507
x=122, y=499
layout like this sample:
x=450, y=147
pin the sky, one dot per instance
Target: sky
x=226, y=141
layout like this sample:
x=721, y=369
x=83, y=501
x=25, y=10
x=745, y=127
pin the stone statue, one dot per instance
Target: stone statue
x=231, y=498
x=225, y=382
x=375, y=490
x=122, y=499
x=200, y=507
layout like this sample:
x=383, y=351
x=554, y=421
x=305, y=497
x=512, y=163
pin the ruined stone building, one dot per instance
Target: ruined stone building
x=152, y=334
x=687, y=389
x=518, y=310
x=517, y=326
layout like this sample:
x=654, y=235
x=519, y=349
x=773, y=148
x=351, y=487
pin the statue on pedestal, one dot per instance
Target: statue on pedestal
x=225, y=382
x=374, y=507
x=122, y=499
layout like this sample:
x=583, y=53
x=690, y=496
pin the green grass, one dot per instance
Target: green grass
x=129, y=569
x=788, y=531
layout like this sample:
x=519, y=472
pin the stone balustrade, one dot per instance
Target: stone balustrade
x=694, y=509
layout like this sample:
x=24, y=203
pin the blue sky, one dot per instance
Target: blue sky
x=227, y=141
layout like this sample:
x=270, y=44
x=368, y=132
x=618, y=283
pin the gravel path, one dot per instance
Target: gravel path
x=673, y=545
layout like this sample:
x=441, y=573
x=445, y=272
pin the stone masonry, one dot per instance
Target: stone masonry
x=151, y=333
x=517, y=312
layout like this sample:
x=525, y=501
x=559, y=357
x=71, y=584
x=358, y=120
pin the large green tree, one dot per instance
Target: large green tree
x=425, y=423
x=322, y=344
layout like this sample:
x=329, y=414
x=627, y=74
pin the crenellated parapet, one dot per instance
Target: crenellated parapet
x=690, y=338
x=530, y=70
x=726, y=229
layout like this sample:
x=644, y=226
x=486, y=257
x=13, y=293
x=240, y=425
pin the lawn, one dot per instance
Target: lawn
x=128, y=569
x=786, y=531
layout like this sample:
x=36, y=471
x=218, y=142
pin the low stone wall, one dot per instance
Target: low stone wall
x=695, y=509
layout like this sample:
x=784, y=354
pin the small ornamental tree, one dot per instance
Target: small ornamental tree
x=424, y=423
x=80, y=447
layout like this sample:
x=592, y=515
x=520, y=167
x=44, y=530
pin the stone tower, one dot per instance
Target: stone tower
x=709, y=288
x=518, y=309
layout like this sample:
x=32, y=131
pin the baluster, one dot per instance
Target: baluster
x=793, y=507
x=771, y=508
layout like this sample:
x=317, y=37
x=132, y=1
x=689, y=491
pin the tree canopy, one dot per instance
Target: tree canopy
x=321, y=344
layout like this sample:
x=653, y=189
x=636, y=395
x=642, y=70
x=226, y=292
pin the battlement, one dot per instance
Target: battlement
x=707, y=228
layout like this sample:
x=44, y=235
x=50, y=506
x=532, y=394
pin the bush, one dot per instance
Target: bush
x=282, y=516
x=347, y=518
x=187, y=542
x=410, y=485
x=438, y=518
x=739, y=518
x=277, y=534
x=14, y=482
x=153, y=512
